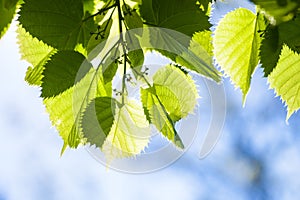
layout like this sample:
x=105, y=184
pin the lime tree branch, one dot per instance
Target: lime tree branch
x=100, y=12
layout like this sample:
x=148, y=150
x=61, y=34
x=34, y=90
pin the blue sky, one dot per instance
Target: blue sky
x=257, y=156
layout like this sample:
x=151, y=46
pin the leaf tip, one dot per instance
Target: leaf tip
x=63, y=149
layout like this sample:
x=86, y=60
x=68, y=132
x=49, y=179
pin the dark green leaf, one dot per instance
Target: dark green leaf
x=180, y=15
x=58, y=23
x=289, y=33
x=136, y=59
x=7, y=12
x=63, y=71
x=98, y=119
x=110, y=66
x=176, y=46
x=98, y=40
x=278, y=11
x=270, y=49
x=132, y=19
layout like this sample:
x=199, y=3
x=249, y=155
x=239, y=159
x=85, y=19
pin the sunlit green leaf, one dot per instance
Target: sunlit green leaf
x=36, y=53
x=181, y=86
x=129, y=134
x=202, y=40
x=285, y=79
x=236, y=46
x=66, y=109
x=172, y=97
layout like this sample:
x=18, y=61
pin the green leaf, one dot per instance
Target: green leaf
x=58, y=23
x=158, y=116
x=202, y=40
x=270, y=49
x=129, y=134
x=131, y=18
x=64, y=70
x=89, y=6
x=289, y=34
x=181, y=86
x=274, y=38
x=179, y=15
x=110, y=65
x=172, y=97
x=98, y=119
x=205, y=5
x=175, y=46
x=278, y=11
x=236, y=46
x=136, y=59
x=66, y=109
x=36, y=53
x=285, y=79
x=97, y=41
x=8, y=10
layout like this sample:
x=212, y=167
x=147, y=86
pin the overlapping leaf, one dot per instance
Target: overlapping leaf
x=172, y=97
x=98, y=119
x=270, y=49
x=64, y=70
x=171, y=16
x=131, y=17
x=174, y=45
x=179, y=15
x=36, y=53
x=130, y=132
x=202, y=40
x=274, y=38
x=98, y=40
x=236, y=46
x=285, y=79
x=66, y=109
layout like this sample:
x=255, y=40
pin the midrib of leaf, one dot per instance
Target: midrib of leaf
x=80, y=25
x=38, y=69
x=115, y=130
x=253, y=48
x=85, y=100
x=229, y=48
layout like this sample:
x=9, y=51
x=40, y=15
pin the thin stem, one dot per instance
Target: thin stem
x=100, y=12
x=149, y=24
x=143, y=77
x=124, y=49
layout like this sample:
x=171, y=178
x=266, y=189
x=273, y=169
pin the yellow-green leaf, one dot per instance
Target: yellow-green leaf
x=129, y=134
x=285, y=79
x=236, y=46
x=36, y=53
